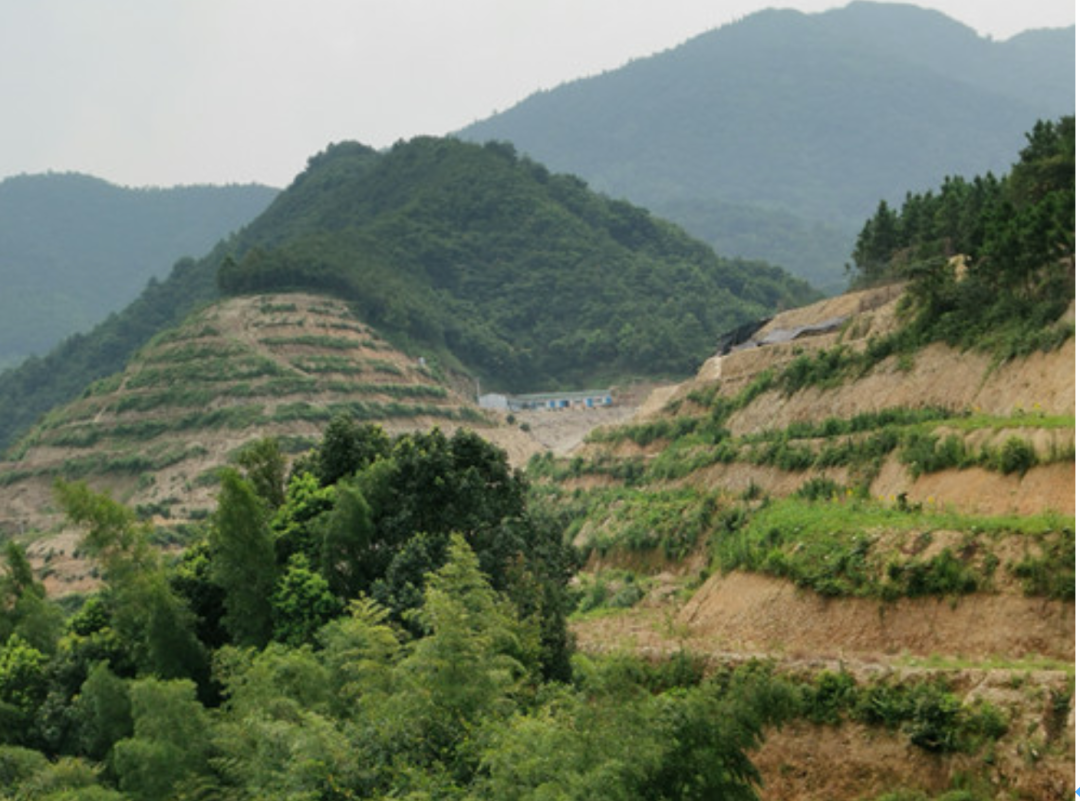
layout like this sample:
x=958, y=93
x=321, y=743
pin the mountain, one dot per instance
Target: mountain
x=74, y=248
x=528, y=279
x=524, y=278
x=838, y=562
x=805, y=121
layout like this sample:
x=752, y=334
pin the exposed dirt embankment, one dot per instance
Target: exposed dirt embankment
x=759, y=614
x=936, y=376
x=824, y=763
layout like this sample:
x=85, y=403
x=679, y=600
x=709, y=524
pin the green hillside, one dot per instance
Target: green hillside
x=510, y=272
x=812, y=115
x=75, y=248
x=526, y=277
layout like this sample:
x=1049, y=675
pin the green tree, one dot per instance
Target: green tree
x=23, y=686
x=169, y=750
x=360, y=650
x=150, y=619
x=242, y=561
x=277, y=737
x=875, y=245
x=264, y=466
x=302, y=603
x=348, y=534
x=293, y=525
x=347, y=447
x=465, y=672
x=103, y=712
x=24, y=608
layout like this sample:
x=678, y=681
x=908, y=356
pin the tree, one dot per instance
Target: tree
x=24, y=609
x=23, y=686
x=264, y=466
x=876, y=244
x=293, y=524
x=170, y=745
x=102, y=712
x=150, y=619
x=348, y=534
x=302, y=603
x=277, y=738
x=467, y=668
x=347, y=447
x=242, y=560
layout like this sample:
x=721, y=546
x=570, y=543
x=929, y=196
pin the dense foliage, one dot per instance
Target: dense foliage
x=75, y=248
x=991, y=261
x=524, y=276
x=784, y=114
x=262, y=663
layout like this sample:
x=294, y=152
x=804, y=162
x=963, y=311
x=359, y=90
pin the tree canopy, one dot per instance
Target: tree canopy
x=991, y=261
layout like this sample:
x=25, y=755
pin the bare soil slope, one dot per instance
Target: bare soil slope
x=1003, y=645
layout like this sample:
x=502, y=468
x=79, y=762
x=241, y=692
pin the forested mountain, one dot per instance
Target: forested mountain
x=521, y=276
x=74, y=248
x=527, y=278
x=798, y=123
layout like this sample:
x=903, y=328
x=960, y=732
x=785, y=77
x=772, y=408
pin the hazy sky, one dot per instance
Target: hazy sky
x=164, y=92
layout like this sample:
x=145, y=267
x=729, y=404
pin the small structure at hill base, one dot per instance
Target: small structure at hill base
x=550, y=401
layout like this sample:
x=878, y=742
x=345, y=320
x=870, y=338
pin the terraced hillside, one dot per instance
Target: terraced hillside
x=270, y=365
x=865, y=524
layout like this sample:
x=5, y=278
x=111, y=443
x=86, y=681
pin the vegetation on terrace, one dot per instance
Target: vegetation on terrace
x=831, y=536
x=207, y=376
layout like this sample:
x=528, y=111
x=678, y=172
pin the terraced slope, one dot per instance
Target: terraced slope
x=892, y=521
x=248, y=367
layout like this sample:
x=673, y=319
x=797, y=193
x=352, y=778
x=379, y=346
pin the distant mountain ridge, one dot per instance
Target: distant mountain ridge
x=813, y=115
x=74, y=248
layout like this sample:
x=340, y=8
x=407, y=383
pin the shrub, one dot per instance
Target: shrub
x=1016, y=456
x=819, y=488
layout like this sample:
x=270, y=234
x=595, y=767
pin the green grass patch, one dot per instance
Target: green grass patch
x=832, y=547
x=671, y=521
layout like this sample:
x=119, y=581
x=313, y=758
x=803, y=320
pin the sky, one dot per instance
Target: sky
x=168, y=92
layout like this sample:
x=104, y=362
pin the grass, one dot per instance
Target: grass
x=1025, y=664
x=670, y=521
x=327, y=363
x=926, y=711
x=838, y=547
x=860, y=443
